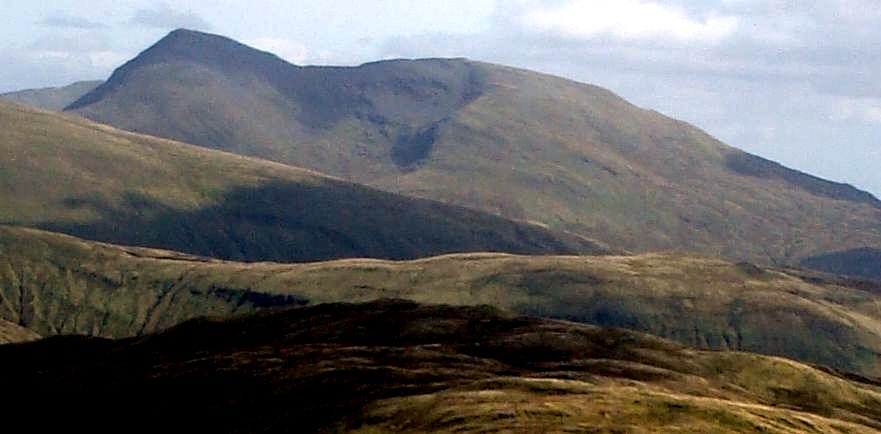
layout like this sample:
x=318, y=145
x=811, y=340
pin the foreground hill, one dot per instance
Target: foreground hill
x=52, y=98
x=70, y=175
x=513, y=142
x=56, y=284
x=395, y=366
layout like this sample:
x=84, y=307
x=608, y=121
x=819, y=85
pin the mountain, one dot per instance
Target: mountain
x=52, y=98
x=57, y=284
x=64, y=173
x=516, y=143
x=395, y=366
x=864, y=262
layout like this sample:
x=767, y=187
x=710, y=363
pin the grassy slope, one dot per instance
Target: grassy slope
x=401, y=367
x=67, y=174
x=57, y=284
x=52, y=98
x=513, y=142
x=14, y=333
x=586, y=160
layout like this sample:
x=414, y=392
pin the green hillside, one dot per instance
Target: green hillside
x=55, y=284
x=70, y=175
x=517, y=143
x=51, y=98
x=395, y=366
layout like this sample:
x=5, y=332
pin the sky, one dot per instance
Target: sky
x=795, y=81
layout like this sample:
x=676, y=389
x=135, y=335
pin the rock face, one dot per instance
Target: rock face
x=512, y=142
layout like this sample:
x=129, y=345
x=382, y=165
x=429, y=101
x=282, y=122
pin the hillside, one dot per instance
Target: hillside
x=70, y=175
x=56, y=284
x=513, y=142
x=13, y=333
x=864, y=262
x=51, y=98
x=394, y=366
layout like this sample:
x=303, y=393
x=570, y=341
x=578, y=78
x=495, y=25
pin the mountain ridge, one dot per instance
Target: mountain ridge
x=512, y=142
x=52, y=98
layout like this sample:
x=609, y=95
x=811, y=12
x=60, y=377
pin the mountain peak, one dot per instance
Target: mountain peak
x=191, y=46
x=201, y=47
x=521, y=144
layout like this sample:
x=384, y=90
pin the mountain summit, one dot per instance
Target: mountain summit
x=513, y=142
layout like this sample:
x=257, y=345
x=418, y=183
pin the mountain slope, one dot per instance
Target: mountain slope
x=52, y=98
x=400, y=367
x=55, y=284
x=13, y=333
x=513, y=142
x=73, y=176
x=864, y=262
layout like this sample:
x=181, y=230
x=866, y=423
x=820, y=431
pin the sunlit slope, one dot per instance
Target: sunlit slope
x=14, y=333
x=57, y=284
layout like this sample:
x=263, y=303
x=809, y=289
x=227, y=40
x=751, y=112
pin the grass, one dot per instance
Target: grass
x=11, y=333
x=57, y=284
x=394, y=366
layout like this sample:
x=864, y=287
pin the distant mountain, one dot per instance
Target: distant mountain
x=70, y=175
x=864, y=262
x=56, y=284
x=52, y=98
x=395, y=366
x=513, y=142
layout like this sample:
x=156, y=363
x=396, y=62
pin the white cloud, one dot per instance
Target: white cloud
x=65, y=20
x=163, y=16
x=628, y=20
x=292, y=51
x=866, y=110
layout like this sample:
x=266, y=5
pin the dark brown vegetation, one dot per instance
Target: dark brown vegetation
x=395, y=366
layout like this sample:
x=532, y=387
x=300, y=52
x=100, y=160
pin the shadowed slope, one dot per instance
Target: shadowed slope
x=57, y=284
x=73, y=176
x=863, y=262
x=399, y=367
x=520, y=144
